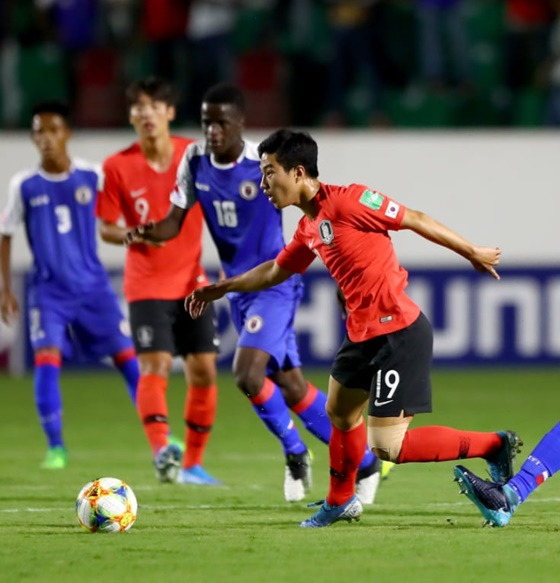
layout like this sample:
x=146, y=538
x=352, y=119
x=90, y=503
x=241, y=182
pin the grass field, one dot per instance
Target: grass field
x=419, y=529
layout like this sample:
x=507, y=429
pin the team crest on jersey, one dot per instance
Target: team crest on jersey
x=326, y=232
x=145, y=336
x=248, y=190
x=254, y=324
x=83, y=195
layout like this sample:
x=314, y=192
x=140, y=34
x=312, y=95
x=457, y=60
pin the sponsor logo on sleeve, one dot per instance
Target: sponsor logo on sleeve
x=392, y=210
x=372, y=199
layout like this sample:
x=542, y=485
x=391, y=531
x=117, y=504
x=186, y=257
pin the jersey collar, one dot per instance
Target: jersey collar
x=59, y=177
x=229, y=164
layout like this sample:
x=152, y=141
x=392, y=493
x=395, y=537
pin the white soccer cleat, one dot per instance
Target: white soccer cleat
x=368, y=480
x=297, y=480
x=366, y=488
x=168, y=463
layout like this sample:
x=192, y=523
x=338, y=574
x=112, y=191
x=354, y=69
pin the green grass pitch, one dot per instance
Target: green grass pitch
x=419, y=529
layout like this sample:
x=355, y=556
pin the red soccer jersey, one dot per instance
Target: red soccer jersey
x=133, y=190
x=351, y=235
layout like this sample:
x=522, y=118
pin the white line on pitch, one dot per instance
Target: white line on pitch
x=247, y=506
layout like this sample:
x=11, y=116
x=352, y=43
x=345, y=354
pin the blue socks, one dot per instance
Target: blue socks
x=543, y=462
x=48, y=398
x=313, y=413
x=127, y=363
x=270, y=406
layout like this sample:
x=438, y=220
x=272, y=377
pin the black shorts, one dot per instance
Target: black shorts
x=165, y=325
x=393, y=368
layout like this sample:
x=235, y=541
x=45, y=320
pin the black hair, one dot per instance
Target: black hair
x=53, y=106
x=225, y=93
x=156, y=88
x=292, y=149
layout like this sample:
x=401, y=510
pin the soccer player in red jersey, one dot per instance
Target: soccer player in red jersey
x=386, y=357
x=137, y=183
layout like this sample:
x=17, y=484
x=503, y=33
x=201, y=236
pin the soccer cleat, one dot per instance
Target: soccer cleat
x=367, y=482
x=501, y=464
x=327, y=514
x=496, y=502
x=167, y=463
x=176, y=441
x=197, y=475
x=297, y=480
x=386, y=468
x=55, y=459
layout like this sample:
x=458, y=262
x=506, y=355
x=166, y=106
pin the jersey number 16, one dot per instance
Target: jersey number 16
x=226, y=213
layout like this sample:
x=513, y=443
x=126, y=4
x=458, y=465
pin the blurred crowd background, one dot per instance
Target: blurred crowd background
x=313, y=63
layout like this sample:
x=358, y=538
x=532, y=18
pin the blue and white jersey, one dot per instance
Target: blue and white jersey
x=245, y=226
x=58, y=212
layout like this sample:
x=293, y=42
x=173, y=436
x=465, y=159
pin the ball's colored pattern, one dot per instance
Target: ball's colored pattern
x=106, y=505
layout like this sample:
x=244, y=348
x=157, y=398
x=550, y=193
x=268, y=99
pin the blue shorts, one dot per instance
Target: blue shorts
x=265, y=320
x=91, y=323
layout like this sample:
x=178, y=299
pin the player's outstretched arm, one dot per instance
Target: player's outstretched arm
x=111, y=232
x=8, y=303
x=116, y=235
x=262, y=276
x=163, y=230
x=483, y=259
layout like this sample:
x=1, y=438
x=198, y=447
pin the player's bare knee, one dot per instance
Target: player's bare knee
x=248, y=382
x=292, y=384
x=293, y=394
x=200, y=369
x=330, y=410
x=201, y=374
x=386, y=441
x=203, y=378
x=339, y=419
x=155, y=363
x=343, y=421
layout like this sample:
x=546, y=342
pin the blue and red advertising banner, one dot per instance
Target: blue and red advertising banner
x=476, y=319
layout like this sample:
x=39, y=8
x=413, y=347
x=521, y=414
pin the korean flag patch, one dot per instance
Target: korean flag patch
x=392, y=210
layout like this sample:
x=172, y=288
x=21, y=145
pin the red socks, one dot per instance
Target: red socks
x=200, y=412
x=438, y=444
x=346, y=450
x=152, y=408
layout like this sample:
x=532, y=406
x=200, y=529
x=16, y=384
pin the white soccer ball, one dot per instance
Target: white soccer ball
x=106, y=505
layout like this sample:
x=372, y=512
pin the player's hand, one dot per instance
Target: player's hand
x=140, y=234
x=485, y=259
x=9, y=308
x=199, y=300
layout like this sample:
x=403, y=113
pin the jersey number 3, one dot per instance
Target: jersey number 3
x=64, y=218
